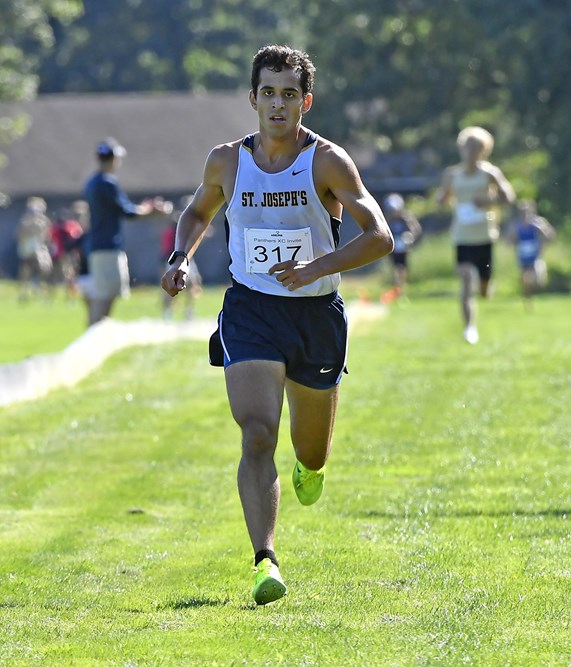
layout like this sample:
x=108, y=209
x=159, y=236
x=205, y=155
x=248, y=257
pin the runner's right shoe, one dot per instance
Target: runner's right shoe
x=471, y=334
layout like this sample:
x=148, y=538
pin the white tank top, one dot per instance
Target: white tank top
x=276, y=217
x=471, y=225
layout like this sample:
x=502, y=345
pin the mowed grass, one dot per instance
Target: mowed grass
x=443, y=536
x=45, y=324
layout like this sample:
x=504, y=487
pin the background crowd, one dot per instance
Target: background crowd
x=54, y=248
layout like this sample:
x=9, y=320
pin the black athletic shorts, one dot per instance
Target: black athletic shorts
x=399, y=258
x=479, y=256
x=308, y=334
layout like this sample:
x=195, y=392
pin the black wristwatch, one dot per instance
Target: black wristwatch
x=177, y=253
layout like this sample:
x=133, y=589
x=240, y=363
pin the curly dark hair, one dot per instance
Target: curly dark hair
x=276, y=58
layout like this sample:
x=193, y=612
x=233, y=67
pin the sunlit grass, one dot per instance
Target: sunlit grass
x=442, y=537
x=46, y=324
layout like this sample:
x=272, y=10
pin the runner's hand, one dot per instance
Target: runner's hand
x=175, y=279
x=293, y=274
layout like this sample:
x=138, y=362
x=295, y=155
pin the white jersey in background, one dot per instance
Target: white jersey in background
x=471, y=224
x=276, y=217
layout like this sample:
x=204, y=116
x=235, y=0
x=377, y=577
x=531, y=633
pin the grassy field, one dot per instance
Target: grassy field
x=442, y=538
x=43, y=326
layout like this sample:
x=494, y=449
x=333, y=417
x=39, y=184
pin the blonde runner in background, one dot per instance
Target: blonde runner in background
x=475, y=187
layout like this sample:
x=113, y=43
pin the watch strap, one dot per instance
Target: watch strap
x=176, y=254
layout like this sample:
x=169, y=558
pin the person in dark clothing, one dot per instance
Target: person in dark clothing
x=108, y=207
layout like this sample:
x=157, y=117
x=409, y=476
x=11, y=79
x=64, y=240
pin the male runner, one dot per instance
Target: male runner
x=282, y=325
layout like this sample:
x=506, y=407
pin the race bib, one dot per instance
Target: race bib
x=400, y=245
x=469, y=214
x=528, y=249
x=266, y=247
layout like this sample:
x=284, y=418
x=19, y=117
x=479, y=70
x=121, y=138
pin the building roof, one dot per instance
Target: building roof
x=167, y=136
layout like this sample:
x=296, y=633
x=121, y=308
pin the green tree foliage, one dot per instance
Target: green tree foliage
x=410, y=74
x=26, y=37
x=160, y=45
x=401, y=75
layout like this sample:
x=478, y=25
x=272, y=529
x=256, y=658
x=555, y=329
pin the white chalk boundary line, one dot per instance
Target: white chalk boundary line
x=38, y=375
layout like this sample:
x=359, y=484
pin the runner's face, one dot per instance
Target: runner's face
x=472, y=151
x=280, y=102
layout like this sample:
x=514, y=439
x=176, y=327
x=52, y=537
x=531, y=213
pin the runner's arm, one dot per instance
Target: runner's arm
x=546, y=229
x=340, y=186
x=501, y=192
x=444, y=192
x=194, y=220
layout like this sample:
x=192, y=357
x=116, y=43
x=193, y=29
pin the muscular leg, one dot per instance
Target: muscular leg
x=529, y=283
x=255, y=391
x=528, y=280
x=99, y=308
x=467, y=294
x=312, y=417
x=484, y=288
x=400, y=277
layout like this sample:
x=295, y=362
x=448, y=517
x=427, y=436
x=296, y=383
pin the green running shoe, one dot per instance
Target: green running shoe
x=268, y=583
x=308, y=484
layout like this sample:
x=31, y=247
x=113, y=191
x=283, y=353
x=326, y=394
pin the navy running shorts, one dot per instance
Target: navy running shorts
x=399, y=258
x=308, y=334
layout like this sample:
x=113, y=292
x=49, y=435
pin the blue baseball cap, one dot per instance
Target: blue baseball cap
x=110, y=148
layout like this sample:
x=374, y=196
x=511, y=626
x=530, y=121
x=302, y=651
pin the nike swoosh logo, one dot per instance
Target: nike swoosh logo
x=295, y=173
x=325, y=370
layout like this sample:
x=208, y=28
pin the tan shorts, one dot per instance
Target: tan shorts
x=85, y=286
x=110, y=273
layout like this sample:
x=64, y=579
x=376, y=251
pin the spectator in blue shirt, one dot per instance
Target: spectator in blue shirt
x=108, y=206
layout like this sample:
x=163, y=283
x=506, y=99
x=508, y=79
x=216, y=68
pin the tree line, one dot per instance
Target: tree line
x=401, y=75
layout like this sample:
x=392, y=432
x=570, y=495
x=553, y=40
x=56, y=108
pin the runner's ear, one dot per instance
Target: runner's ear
x=307, y=102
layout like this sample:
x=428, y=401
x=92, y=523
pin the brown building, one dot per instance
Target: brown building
x=167, y=137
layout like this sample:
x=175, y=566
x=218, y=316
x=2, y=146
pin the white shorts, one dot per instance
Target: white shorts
x=110, y=272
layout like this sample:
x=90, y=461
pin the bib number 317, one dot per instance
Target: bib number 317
x=266, y=247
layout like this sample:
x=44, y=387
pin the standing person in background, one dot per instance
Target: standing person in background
x=283, y=326
x=528, y=232
x=65, y=234
x=194, y=283
x=33, y=247
x=406, y=230
x=475, y=187
x=108, y=205
x=83, y=280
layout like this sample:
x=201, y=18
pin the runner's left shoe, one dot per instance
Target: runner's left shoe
x=268, y=582
x=308, y=484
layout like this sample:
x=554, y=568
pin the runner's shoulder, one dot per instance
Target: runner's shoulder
x=224, y=151
x=221, y=159
x=333, y=159
x=489, y=169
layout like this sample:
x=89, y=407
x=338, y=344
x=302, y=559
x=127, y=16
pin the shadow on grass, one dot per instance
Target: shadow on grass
x=461, y=514
x=434, y=293
x=193, y=603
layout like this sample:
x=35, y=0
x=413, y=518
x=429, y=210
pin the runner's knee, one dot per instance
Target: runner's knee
x=259, y=437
